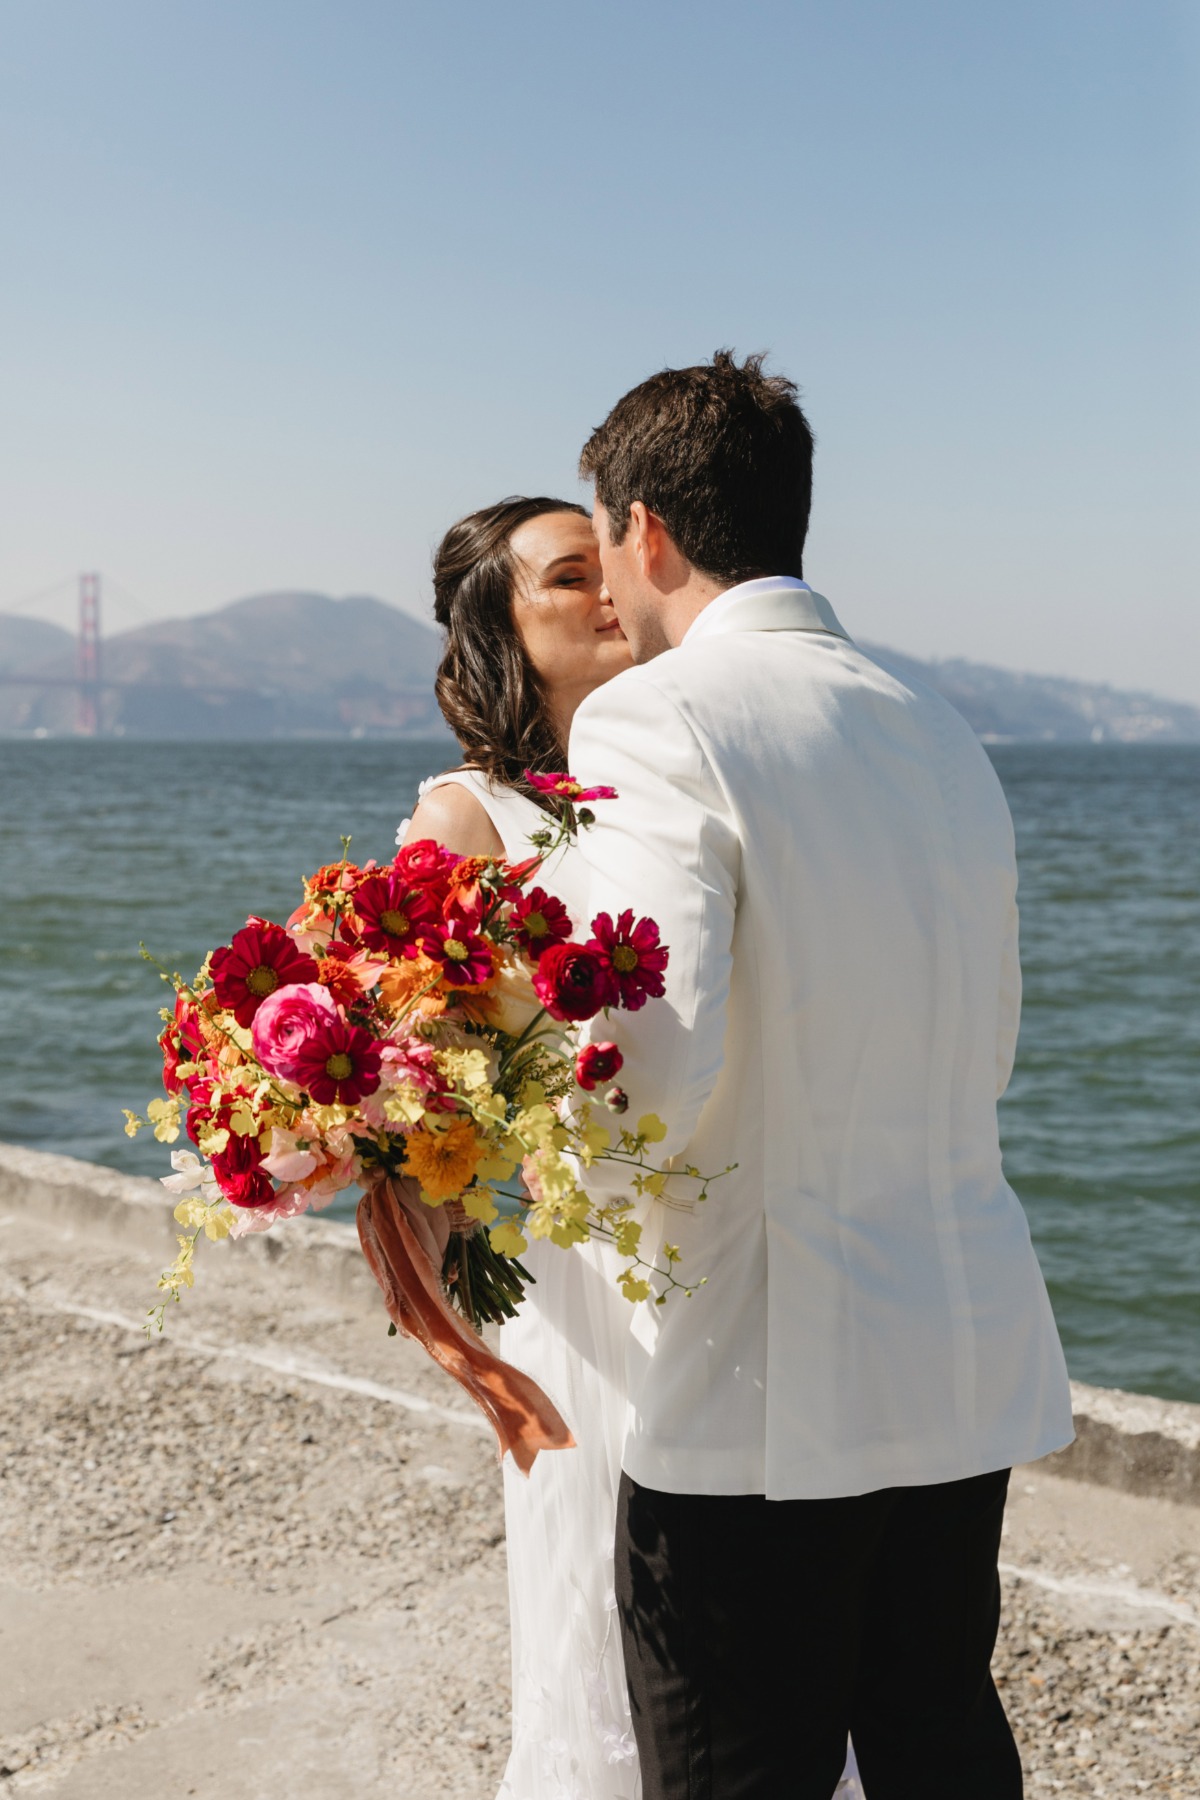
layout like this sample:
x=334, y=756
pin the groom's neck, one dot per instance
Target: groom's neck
x=680, y=608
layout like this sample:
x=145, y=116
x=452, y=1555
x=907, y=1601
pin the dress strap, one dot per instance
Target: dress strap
x=514, y=815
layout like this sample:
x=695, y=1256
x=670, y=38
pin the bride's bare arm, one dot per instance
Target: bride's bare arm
x=455, y=818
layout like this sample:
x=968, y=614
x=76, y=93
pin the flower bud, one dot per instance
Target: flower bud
x=617, y=1100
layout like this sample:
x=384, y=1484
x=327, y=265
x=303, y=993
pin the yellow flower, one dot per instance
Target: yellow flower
x=443, y=1159
x=215, y=1220
x=404, y=1105
x=629, y=1236
x=479, y=1203
x=164, y=1116
x=506, y=1239
x=535, y=1124
x=633, y=1287
x=495, y=1166
x=466, y=1069
x=132, y=1123
x=651, y=1128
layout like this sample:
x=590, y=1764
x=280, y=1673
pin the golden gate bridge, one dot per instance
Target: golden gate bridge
x=87, y=680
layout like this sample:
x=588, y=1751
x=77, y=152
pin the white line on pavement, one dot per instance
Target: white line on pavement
x=281, y=1363
x=1125, y=1593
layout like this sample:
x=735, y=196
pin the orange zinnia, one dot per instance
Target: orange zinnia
x=444, y=1161
x=403, y=980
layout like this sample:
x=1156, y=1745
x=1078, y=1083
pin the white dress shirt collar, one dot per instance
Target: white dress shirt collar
x=764, y=584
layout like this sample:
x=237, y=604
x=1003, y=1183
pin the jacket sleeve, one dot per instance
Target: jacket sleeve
x=668, y=848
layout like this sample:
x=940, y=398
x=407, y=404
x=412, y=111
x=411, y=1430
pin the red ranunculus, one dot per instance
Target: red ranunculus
x=634, y=956
x=261, y=958
x=425, y=862
x=240, y=1174
x=539, y=920
x=596, y=1063
x=572, y=982
x=392, y=913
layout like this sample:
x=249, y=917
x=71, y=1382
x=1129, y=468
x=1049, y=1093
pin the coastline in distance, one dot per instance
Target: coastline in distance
x=297, y=664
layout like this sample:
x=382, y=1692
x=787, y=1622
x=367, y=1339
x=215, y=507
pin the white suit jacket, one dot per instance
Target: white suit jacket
x=830, y=859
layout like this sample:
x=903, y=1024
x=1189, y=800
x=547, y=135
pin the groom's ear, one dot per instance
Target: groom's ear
x=650, y=543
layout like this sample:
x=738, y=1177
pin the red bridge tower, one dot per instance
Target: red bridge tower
x=88, y=721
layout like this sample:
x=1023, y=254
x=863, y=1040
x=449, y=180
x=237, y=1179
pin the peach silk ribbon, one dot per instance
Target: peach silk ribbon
x=404, y=1242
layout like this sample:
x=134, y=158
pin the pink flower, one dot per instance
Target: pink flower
x=595, y=1063
x=287, y=1021
x=565, y=787
x=634, y=956
x=539, y=920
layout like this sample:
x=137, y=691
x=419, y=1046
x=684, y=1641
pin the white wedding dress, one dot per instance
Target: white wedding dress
x=572, y=1733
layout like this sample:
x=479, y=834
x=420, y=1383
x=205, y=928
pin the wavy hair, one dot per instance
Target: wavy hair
x=486, y=686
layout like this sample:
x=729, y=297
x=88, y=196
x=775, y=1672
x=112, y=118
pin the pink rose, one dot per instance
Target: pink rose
x=287, y=1024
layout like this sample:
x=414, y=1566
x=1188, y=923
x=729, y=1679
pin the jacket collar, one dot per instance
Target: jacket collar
x=790, y=608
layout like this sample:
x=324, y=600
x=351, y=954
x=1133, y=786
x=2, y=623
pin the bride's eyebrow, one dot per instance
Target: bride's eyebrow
x=574, y=556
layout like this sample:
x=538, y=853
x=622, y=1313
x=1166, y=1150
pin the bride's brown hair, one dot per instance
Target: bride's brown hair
x=486, y=686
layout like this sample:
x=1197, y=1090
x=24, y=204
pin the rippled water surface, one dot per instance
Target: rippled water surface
x=104, y=844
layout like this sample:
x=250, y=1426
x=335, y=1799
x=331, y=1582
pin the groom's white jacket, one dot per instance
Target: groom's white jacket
x=829, y=855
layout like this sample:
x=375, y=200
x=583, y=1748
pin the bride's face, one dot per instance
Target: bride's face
x=561, y=610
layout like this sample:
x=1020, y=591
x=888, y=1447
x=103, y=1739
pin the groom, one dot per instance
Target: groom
x=819, y=1441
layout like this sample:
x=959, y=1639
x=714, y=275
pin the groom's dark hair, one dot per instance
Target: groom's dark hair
x=722, y=454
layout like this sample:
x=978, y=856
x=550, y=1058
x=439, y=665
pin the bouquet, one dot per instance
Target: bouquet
x=414, y=1029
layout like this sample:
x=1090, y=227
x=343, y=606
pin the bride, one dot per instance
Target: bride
x=530, y=631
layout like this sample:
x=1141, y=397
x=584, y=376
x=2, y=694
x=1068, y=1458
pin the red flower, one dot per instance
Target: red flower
x=572, y=982
x=465, y=957
x=392, y=914
x=565, y=787
x=634, y=956
x=336, y=1062
x=261, y=958
x=539, y=920
x=425, y=862
x=597, y=1062
x=240, y=1174
x=180, y=1041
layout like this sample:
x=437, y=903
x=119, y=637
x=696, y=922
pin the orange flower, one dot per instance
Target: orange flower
x=333, y=878
x=445, y=1160
x=402, y=981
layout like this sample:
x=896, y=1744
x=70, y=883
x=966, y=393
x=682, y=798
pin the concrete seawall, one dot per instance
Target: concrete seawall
x=1132, y=1442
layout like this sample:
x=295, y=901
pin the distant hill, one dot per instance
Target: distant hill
x=275, y=665
x=30, y=644
x=305, y=665
x=1004, y=706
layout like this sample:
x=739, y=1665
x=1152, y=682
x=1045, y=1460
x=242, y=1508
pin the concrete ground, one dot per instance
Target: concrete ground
x=262, y=1557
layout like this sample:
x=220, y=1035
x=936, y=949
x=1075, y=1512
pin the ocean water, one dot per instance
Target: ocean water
x=103, y=844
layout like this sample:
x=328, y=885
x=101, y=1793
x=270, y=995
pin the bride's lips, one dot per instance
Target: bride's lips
x=615, y=626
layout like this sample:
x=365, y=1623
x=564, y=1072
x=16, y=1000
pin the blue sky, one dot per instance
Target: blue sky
x=289, y=286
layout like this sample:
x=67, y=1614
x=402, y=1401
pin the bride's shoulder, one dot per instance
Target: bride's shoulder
x=451, y=811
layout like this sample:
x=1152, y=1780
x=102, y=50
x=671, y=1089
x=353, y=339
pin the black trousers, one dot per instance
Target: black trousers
x=757, y=1633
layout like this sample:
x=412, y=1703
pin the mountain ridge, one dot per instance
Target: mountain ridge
x=296, y=663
